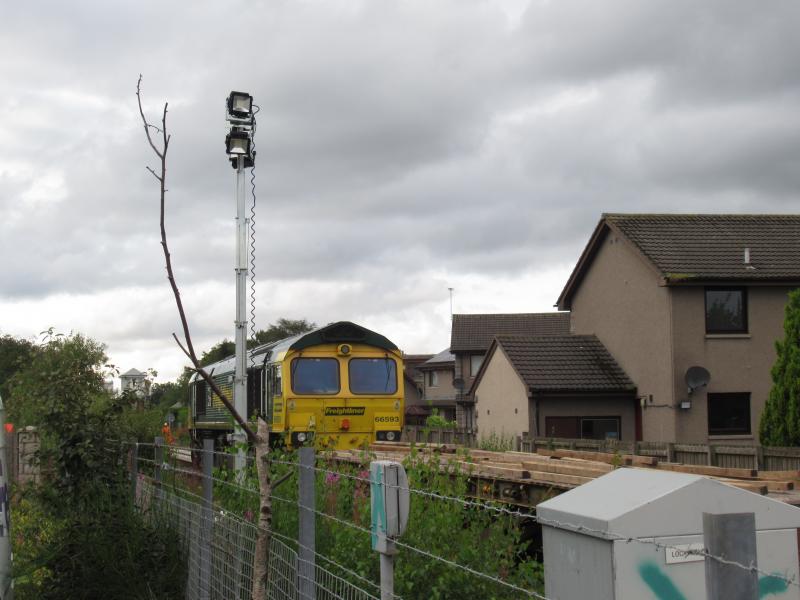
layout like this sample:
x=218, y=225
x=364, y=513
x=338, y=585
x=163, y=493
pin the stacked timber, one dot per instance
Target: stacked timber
x=566, y=469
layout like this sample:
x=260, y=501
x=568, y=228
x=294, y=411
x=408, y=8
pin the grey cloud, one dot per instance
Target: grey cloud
x=394, y=139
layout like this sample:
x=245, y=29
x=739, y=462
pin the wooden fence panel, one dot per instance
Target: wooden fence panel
x=781, y=459
x=718, y=455
x=692, y=454
x=429, y=435
x=737, y=457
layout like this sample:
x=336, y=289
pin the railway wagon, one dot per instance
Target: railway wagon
x=338, y=387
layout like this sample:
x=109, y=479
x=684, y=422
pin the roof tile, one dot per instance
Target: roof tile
x=476, y=332
x=712, y=246
x=565, y=363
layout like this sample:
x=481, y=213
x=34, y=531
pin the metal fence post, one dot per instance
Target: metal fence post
x=206, y=520
x=306, y=568
x=732, y=537
x=158, y=460
x=389, y=506
x=134, y=469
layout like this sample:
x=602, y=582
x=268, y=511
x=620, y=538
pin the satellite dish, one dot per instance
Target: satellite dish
x=458, y=383
x=696, y=377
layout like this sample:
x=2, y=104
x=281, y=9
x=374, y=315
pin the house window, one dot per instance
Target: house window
x=726, y=310
x=600, y=428
x=729, y=414
x=475, y=362
x=433, y=378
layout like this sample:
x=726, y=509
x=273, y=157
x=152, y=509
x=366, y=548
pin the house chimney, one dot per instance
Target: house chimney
x=747, y=262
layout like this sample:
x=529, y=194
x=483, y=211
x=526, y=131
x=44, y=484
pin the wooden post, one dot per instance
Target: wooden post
x=206, y=520
x=759, y=458
x=670, y=452
x=731, y=537
x=712, y=455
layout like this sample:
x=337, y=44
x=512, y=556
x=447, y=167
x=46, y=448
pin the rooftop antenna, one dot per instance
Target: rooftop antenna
x=451, y=302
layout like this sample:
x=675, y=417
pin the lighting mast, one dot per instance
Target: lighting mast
x=238, y=145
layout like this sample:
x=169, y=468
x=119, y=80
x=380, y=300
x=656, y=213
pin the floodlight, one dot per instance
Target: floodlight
x=237, y=143
x=240, y=105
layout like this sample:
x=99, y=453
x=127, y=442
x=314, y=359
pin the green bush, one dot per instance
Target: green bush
x=437, y=421
x=142, y=425
x=496, y=442
x=77, y=535
x=482, y=539
x=105, y=550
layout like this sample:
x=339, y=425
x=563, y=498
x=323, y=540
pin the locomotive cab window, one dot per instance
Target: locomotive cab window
x=373, y=375
x=315, y=376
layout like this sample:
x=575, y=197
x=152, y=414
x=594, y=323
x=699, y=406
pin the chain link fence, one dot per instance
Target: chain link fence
x=219, y=549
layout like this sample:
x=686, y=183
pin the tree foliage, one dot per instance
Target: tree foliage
x=780, y=421
x=281, y=329
x=61, y=392
x=15, y=353
x=217, y=352
x=79, y=526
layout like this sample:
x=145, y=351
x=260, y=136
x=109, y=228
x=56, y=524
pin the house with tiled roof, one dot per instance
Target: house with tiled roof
x=416, y=410
x=667, y=292
x=470, y=338
x=558, y=386
x=438, y=389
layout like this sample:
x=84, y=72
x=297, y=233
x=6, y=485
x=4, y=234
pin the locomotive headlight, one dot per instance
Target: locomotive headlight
x=301, y=437
x=390, y=436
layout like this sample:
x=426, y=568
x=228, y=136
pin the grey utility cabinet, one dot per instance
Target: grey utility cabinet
x=583, y=557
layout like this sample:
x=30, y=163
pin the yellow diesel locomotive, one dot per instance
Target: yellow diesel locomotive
x=337, y=387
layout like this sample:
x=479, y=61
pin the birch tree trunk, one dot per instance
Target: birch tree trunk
x=260, y=440
x=261, y=557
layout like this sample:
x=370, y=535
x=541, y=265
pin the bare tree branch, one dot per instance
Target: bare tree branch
x=154, y=173
x=189, y=348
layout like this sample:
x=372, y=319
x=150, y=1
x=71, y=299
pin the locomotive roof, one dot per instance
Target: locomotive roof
x=336, y=333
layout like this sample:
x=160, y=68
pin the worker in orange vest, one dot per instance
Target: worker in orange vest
x=167, y=433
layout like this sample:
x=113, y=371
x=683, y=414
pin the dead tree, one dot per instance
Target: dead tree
x=260, y=440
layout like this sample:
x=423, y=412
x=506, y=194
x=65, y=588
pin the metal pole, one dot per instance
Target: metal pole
x=134, y=470
x=387, y=576
x=206, y=520
x=242, y=268
x=307, y=496
x=732, y=537
x=6, y=581
x=158, y=451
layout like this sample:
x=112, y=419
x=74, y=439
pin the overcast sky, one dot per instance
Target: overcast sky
x=404, y=147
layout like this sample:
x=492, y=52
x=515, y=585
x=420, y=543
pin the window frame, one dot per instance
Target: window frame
x=618, y=420
x=350, y=380
x=727, y=432
x=474, y=373
x=433, y=379
x=293, y=369
x=729, y=288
